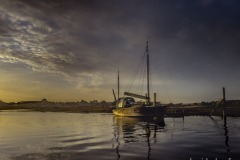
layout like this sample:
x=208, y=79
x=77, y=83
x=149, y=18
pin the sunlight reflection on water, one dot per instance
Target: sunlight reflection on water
x=36, y=135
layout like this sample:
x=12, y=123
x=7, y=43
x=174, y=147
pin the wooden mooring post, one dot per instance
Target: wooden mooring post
x=222, y=104
x=224, y=107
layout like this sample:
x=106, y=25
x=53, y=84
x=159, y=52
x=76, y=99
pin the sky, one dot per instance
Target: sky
x=69, y=50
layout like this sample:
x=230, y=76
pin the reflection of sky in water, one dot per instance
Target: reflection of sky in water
x=30, y=132
x=26, y=135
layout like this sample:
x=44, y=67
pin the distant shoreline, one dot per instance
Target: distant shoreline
x=172, y=110
x=81, y=109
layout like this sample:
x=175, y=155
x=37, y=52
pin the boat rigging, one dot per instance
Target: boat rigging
x=127, y=106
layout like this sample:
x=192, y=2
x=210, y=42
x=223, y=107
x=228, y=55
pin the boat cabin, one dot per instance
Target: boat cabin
x=125, y=102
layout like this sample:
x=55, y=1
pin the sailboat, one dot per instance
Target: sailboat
x=127, y=106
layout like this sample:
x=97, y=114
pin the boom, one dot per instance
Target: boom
x=135, y=95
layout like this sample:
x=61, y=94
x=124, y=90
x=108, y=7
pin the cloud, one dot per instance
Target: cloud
x=76, y=41
x=42, y=44
x=86, y=42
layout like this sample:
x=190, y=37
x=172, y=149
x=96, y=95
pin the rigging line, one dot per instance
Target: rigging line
x=139, y=78
x=141, y=70
x=167, y=93
x=143, y=76
x=163, y=84
x=136, y=71
x=150, y=76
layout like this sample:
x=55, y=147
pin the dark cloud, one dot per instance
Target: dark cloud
x=82, y=39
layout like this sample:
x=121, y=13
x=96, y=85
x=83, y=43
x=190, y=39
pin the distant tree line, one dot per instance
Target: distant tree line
x=93, y=102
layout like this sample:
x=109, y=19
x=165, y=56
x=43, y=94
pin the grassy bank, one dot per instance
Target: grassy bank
x=80, y=109
x=201, y=111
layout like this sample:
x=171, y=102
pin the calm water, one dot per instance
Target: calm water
x=74, y=136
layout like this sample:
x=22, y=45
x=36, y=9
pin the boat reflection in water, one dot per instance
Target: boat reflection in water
x=135, y=135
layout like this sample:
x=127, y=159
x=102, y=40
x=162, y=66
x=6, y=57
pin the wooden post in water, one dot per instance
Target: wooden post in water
x=154, y=99
x=225, y=120
x=224, y=105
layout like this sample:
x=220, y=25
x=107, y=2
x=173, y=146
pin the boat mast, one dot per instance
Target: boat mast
x=148, y=95
x=118, y=84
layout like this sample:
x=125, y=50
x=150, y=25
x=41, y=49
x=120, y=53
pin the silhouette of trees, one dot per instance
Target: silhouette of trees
x=94, y=102
x=83, y=102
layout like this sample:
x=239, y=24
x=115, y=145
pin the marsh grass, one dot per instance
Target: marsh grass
x=80, y=109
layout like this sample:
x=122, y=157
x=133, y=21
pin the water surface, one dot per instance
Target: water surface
x=70, y=136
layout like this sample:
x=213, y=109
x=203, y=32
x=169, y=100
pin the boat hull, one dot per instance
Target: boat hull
x=140, y=111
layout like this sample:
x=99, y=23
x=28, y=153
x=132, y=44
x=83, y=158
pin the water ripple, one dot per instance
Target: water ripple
x=70, y=136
